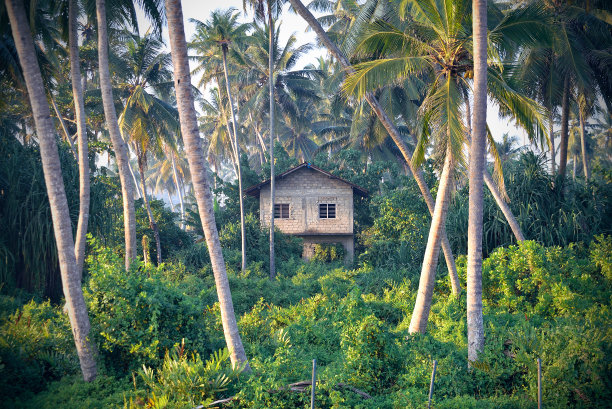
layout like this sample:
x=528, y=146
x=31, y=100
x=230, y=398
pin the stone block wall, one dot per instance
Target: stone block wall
x=304, y=190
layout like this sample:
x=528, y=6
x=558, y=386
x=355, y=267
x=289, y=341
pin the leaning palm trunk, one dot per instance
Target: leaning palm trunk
x=237, y=154
x=64, y=127
x=393, y=132
x=585, y=162
x=564, y=127
x=152, y=222
x=179, y=191
x=119, y=145
x=195, y=157
x=136, y=188
x=79, y=105
x=475, y=331
x=503, y=206
x=272, y=175
x=499, y=199
x=420, y=314
x=71, y=283
x=551, y=143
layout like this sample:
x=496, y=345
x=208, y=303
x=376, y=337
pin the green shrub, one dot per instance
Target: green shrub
x=326, y=253
x=186, y=381
x=139, y=314
x=71, y=392
x=371, y=358
x=36, y=347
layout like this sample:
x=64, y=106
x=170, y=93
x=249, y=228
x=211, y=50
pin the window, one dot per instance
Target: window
x=327, y=211
x=281, y=211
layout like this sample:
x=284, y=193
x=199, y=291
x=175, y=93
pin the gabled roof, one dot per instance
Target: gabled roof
x=254, y=190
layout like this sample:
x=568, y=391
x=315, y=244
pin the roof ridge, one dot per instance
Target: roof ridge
x=254, y=190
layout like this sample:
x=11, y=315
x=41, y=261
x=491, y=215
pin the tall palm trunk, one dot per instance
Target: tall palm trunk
x=475, y=331
x=420, y=314
x=564, y=127
x=574, y=167
x=272, y=175
x=79, y=105
x=405, y=150
x=237, y=153
x=585, y=161
x=195, y=156
x=152, y=223
x=179, y=190
x=71, y=283
x=119, y=145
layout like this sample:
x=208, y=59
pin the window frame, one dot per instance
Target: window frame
x=281, y=211
x=324, y=211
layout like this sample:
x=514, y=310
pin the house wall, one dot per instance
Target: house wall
x=304, y=190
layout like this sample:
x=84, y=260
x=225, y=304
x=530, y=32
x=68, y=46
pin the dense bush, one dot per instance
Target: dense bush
x=540, y=302
x=140, y=313
x=184, y=380
x=551, y=210
x=172, y=238
x=36, y=346
x=328, y=252
x=399, y=232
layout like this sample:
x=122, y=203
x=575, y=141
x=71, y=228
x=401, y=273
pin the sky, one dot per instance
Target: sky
x=291, y=23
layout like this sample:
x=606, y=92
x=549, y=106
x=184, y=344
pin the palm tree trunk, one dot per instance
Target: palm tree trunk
x=585, y=162
x=475, y=330
x=64, y=127
x=79, y=105
x=272, y=175
x=237, y=153
x=564, y=127
x=138, y=193
x=501, y=203
x=405, y=150
x=503, y=206
x=77, y=309
x=119, y=145
x=145, y=197
x=170, y=200
x=179, y=190
x=420, y=314
x=552, y=143
x=201, y=186
x=574, y=167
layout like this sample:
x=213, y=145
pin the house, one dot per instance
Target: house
x=312, y=204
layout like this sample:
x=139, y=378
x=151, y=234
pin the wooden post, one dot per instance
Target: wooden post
x=539, y=383
x=314, y=383
x=431, y=384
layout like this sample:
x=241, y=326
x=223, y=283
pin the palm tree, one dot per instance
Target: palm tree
x=195, y=156
x=271, y=10
x=221, y=30
x=475, y=331
x=77, y=309
x=405, y=150
x=506, y=148
x=119, y=145
x=79, y=105
x=147, y=121
x=425, y=45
